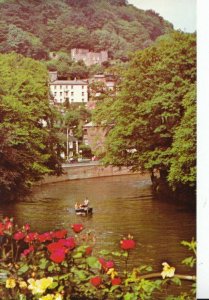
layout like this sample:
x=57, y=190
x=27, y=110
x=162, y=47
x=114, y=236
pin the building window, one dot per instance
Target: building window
x=82, y=86
x=66, y=92
x=82, y=100
x=66, y=86
x=72, y=94
x=71, y=86
x=60, y=86
x=55, y=93
x=82, y=93
x=72, y=100
x=60, y=93
x=55, y=87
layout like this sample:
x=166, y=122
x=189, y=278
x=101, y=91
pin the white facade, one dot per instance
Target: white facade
x=73, y=91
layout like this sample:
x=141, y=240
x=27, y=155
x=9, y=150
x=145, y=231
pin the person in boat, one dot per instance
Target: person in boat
x=76, y=205
x=86, y=202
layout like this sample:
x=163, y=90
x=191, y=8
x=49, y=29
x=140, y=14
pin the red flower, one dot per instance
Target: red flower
x=88, y=250
x=127, y=244
x=54, y=247
x=60, y=234
x=27, y=251
x=2, y=227
x=96, y=281
x=58, y=255
x=19, y=236
x=77, y=228
x=32, y=236
x=116, y=281
x=46, y=236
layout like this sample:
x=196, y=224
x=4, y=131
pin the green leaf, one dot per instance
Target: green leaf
x=93, y=262
x=43, y=263
x=78, y=255
x=82, y=275
x=104, y=252
x=53, y=285
x=130, y=296
x=189, y=261
x=116, y=253
x=176, y=280
x=23, y=269
x=51, y=268
x=114, y=287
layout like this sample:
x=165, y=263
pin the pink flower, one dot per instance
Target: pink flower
x=69, y=243
x=58, y=255
x=27, y=251
x=8, y=225
x=77, y=228
x=127, y=244
x=109, y=264
x=27, y=227
x=102, y=262
x=96, y=281
x=19, y=236
x=60, y=234
x=116, y=281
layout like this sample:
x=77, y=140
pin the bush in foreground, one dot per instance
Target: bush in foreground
x=56, y=266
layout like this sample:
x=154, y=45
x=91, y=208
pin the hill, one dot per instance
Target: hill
x=34, y=28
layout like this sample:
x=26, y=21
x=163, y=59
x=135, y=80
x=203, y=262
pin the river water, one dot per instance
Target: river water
x=122, y=205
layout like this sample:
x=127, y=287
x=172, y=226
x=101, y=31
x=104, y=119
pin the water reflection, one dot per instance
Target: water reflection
x=122, y=205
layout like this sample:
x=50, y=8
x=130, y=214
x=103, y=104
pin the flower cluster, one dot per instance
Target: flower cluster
x=60, y=248
x=128, y=243
x=50, y=265
x=6, y=226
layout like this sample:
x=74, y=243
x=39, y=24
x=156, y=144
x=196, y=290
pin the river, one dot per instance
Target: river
x=122, y=205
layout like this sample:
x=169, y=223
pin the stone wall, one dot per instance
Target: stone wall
x=83, y=171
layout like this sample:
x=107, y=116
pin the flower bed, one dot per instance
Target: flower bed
x=55, y=265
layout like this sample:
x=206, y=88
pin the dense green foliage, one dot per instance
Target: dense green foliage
x=33, y=28
x=153, y=116
x=29, y=145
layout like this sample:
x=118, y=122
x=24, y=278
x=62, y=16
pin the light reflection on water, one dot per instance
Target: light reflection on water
x=122, y=205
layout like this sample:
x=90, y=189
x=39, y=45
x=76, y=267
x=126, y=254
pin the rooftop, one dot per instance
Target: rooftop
x=70, y=82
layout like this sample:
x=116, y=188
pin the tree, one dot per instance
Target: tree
x=148, y=111
x=29, y=144
x=183, y=160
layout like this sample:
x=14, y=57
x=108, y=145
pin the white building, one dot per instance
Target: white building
x=73, y=91
x=62, y=90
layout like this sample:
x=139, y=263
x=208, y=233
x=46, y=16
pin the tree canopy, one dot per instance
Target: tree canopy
x=152, y=119
x=34, y=28
x=29, y=145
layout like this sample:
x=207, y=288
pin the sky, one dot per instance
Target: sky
x=181, y=13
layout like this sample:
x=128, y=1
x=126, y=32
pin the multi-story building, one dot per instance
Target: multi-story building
x=71, y=91
x=89, y=58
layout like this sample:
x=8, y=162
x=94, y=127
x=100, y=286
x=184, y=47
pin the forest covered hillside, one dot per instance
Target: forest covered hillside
x=35, y=28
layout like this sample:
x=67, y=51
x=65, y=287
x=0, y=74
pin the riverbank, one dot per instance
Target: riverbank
x=89, y=170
